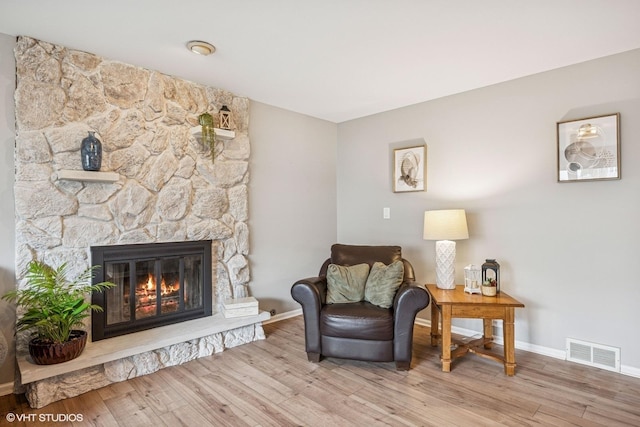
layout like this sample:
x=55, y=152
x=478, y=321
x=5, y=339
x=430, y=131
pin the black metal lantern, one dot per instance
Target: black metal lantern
x=491, y=270
x=224, y=118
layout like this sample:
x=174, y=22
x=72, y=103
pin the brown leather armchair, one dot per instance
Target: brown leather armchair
x=360, y=330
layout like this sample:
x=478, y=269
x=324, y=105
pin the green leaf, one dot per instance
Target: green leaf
x=52, y=304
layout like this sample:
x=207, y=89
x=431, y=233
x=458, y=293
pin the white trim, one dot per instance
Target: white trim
x=283, y=316
x=6, y=389
x=423, y=322
x=532, y=348
x=454, y=329
x=629, y=370
x=538, y=349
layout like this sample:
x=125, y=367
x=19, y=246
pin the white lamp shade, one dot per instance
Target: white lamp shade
x=447, y=224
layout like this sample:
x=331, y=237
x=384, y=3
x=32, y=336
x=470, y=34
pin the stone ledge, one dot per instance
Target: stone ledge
x=96, y=353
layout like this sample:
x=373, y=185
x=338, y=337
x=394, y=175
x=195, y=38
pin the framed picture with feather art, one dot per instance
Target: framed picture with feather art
x=410, y=169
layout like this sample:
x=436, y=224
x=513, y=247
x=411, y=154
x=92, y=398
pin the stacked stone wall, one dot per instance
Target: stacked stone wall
x=170, y=188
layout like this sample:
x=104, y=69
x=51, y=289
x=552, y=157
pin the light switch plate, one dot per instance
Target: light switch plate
x=386, y=213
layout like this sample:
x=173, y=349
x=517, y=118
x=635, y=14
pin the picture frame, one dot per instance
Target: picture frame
x=410, y=169
x=589, y=149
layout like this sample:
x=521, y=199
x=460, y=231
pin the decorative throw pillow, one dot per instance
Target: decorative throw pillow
x=346, y=284
x=383, y=282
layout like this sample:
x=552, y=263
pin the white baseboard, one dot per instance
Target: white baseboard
x=282, y=316
x=520, y=345
x=630, y=371
x=6, y=388
x=532, y=348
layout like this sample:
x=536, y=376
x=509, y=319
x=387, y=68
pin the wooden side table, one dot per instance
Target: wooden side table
x=456, y=303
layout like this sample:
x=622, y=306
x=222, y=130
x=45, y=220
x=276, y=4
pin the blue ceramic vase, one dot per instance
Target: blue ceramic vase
x=91, y=152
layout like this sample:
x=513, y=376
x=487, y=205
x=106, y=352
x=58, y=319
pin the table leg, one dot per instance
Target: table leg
x=509, y=342
x=446, y=338
x=435, y=324
x=487, y=331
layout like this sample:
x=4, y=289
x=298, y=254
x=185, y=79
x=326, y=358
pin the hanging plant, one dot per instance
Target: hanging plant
x=208, y=134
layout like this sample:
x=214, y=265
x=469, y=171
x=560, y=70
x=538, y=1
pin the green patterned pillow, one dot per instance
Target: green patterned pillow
x=383, y=282
x=346, y=284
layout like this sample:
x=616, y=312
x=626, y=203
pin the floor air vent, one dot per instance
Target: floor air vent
x=599, y=356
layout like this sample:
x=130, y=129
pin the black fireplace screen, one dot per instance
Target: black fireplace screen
x=156, y=284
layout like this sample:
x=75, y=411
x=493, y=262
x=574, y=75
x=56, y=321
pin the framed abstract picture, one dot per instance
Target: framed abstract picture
x=589, y=149
x=410, y=169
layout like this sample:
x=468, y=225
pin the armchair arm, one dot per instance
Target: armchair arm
x=409, y=300
x=311, y=293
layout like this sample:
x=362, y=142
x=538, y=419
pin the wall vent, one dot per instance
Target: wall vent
x=599, y=356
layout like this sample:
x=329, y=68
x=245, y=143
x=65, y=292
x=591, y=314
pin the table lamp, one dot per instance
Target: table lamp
x=444, y=226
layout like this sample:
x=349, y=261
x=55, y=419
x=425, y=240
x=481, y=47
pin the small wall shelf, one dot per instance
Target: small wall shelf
x=88, y=176
x=220, y=133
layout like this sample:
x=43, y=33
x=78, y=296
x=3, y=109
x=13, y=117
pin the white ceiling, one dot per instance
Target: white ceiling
x=337, y=59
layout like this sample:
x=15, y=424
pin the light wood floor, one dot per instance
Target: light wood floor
x=270, y=383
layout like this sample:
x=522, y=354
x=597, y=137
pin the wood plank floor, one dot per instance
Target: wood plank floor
x=270, y=383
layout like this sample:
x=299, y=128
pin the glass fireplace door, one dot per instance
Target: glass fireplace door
x=151, y=291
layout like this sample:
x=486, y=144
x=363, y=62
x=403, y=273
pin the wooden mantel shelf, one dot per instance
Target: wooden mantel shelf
x=88, y=176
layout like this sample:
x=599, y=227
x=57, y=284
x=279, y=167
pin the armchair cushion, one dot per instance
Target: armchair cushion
x=346, y=283
x=383, y=282
x=357, y=321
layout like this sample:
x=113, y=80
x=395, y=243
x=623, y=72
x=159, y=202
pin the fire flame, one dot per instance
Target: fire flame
x=150, y=287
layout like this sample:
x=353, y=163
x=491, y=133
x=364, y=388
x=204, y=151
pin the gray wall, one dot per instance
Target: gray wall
x=568, y=251
x=292, y=201
x=7, y=232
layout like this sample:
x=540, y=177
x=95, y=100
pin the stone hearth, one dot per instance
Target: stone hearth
x=129, y=356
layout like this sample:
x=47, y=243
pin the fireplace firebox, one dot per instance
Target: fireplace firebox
x=156, y=284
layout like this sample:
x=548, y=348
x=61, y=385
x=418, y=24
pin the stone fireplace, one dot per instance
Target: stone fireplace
x=158, y=184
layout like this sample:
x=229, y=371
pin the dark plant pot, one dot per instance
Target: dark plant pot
x=44, y=353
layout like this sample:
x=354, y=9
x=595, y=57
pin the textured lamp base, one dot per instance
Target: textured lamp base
x=445, y=270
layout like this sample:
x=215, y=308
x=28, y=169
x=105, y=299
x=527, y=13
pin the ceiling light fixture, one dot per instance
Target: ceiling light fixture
x=200, y=47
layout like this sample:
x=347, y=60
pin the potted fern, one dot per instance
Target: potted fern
x=53, y=309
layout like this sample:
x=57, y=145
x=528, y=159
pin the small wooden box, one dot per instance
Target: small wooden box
x=238, y=307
